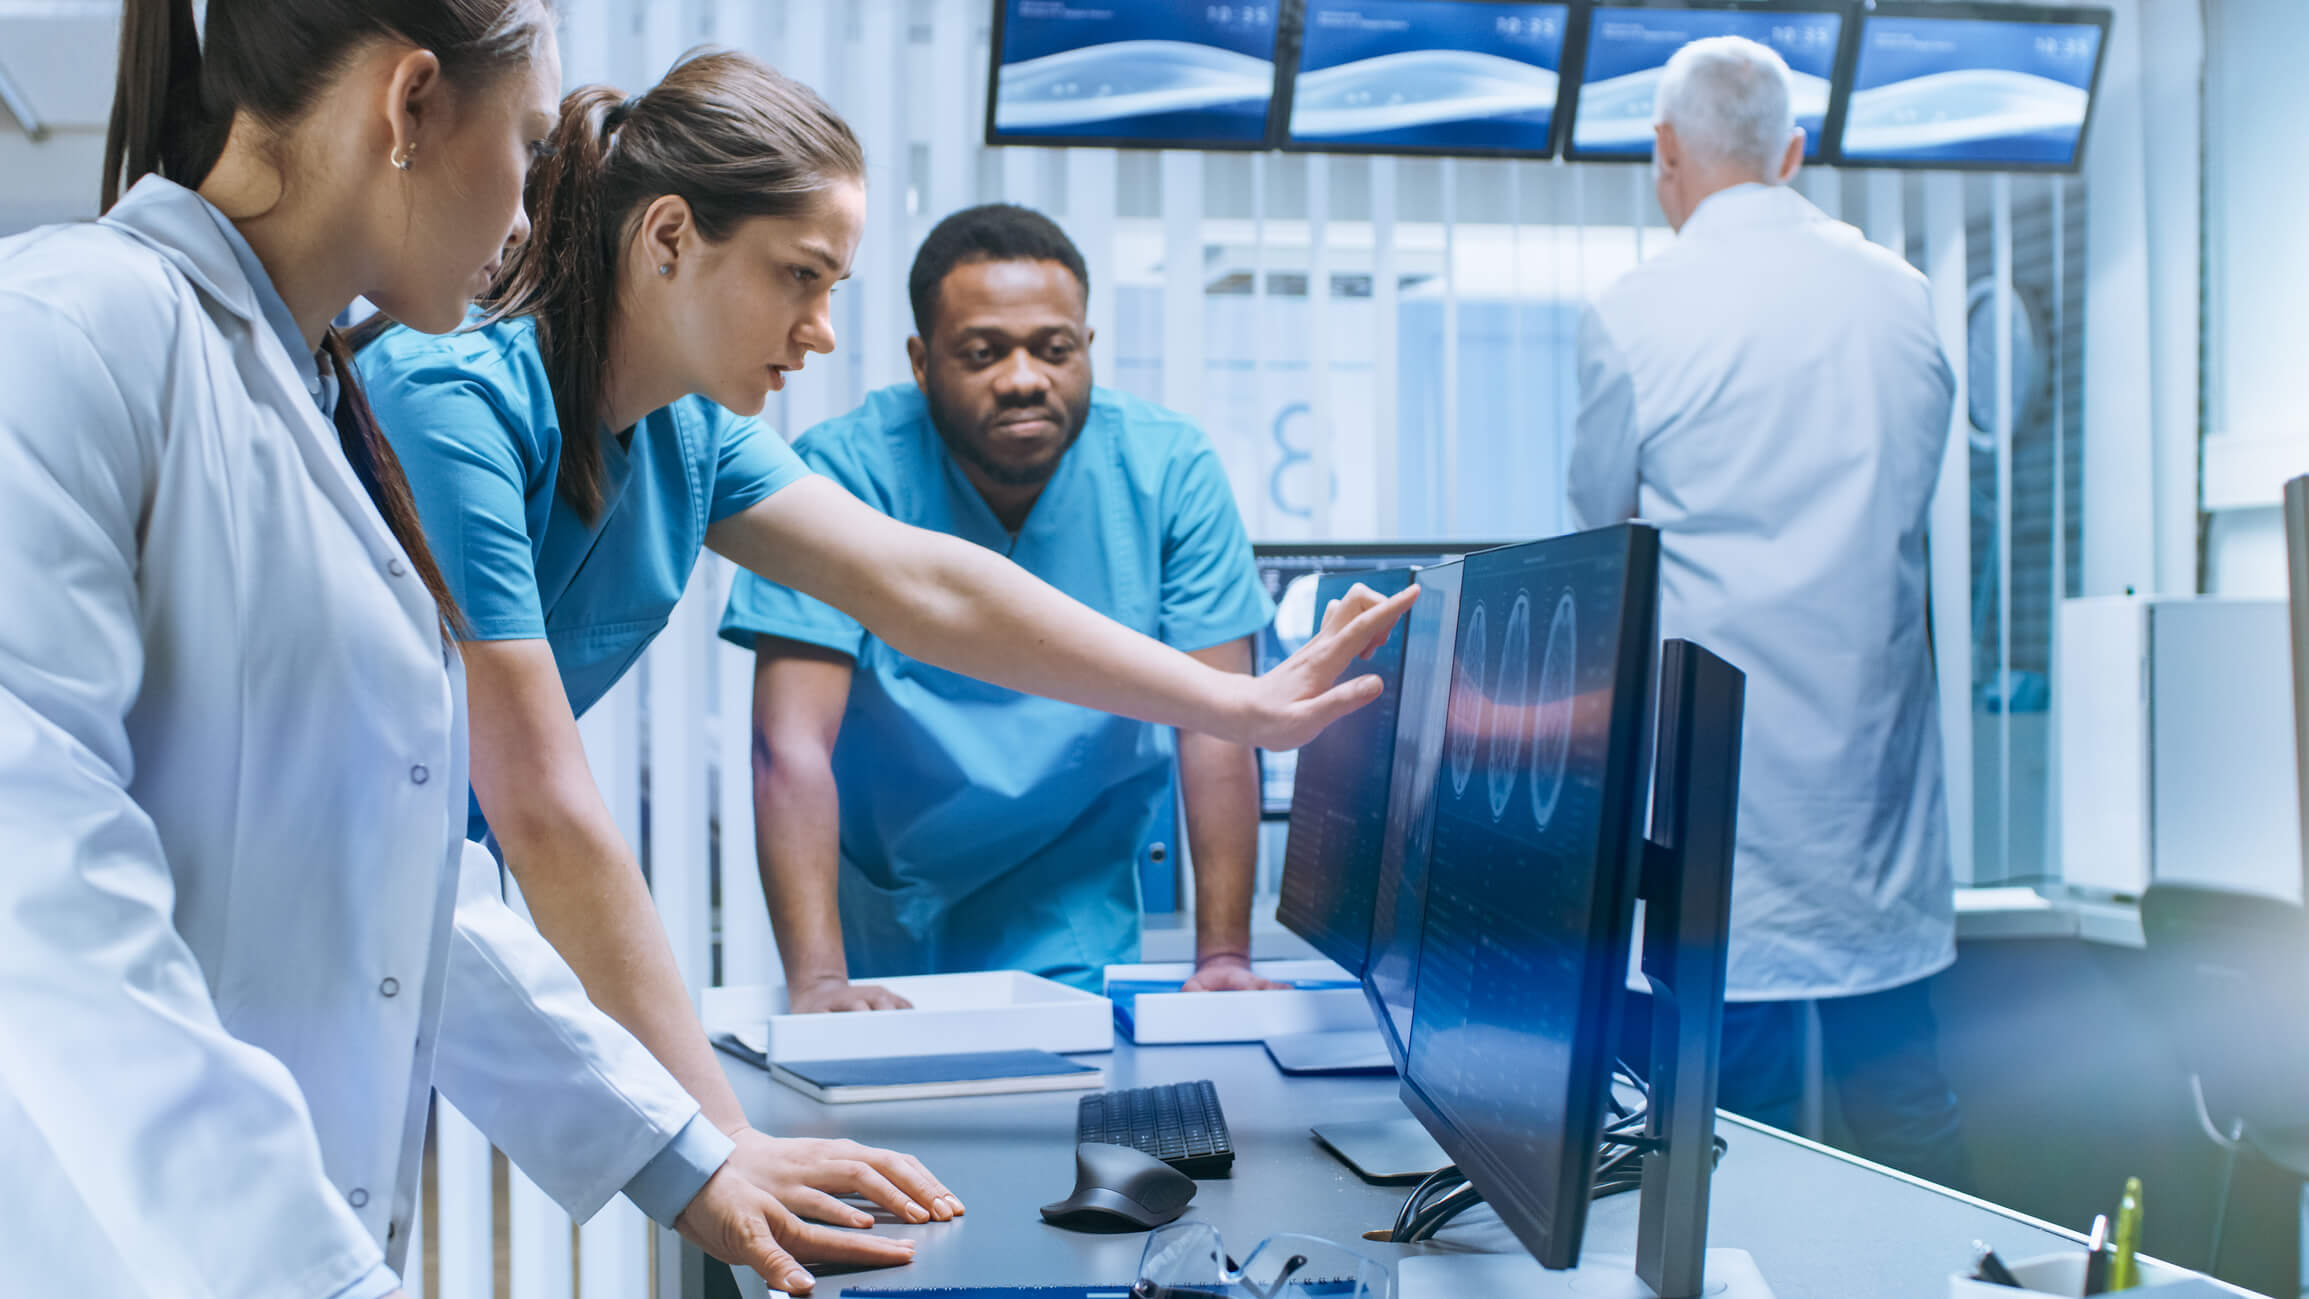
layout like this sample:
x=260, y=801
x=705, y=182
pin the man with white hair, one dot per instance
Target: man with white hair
x=1771, y=394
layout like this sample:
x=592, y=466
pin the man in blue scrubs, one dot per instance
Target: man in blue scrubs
x=913, y=821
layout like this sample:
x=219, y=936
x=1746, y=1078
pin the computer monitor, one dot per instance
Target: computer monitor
x=1431, y=630
x=1629, y=45
x=1533, y=867
x=1150, y=74
x=1950, y=85
x=2297, y=563
x=1339, y=803
x=1290, y=571
x=1478, y=78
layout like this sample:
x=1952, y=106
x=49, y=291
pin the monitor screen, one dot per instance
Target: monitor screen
x=1290, y=571
x=1339, y=803
x=1961, y=88
x=1148, y=73
x=1628, y=48
x=1400, y=893
x=1531, y=872
x=1429, y=76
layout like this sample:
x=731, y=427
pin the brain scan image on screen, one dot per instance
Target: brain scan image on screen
x=1551, y=721
x=1509, y=694
x=1469, y=704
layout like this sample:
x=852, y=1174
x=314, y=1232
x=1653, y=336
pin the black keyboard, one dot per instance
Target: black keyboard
x=1181, y=1124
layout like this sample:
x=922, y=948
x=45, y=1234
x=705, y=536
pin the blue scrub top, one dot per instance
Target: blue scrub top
x=471, y=417
x=982, y=828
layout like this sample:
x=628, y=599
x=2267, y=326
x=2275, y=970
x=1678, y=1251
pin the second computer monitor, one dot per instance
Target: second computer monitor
x=1629, y=45
x=1339, y=803
x=1399, y=897
x=1955, y=85
x=1533, y=866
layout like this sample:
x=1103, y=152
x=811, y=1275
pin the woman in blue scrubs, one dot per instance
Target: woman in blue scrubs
x=572, y=456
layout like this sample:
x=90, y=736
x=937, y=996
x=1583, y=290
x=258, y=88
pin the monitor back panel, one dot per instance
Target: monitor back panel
x=1532, y=871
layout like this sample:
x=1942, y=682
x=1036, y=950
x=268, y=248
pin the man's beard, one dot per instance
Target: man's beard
x=971, y=447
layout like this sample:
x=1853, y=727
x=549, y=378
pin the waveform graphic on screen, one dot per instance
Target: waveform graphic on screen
x=1957, y=108
x=1127, y=79
x=1418, y=88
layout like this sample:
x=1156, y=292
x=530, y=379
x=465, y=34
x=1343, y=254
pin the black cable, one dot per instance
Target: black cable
x=1441, y=1181
x=1439, y=1215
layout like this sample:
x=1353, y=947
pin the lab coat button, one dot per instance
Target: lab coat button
x=397, y=568
x=418, y=774
x=391, y=987
x=358, y=1198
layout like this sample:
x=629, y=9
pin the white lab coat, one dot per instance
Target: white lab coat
x=1771, y=394
x=241, y=933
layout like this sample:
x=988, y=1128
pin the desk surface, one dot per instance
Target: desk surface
x=1820, y=1224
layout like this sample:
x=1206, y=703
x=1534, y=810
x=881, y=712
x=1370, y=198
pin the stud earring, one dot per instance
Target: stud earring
x=402, y=160
x=665, y=268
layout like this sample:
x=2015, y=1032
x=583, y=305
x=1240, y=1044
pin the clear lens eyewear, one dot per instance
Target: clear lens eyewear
x=1186, y=1260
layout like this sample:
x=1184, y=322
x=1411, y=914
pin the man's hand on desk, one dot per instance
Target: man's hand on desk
x=806, y=1176
x=834, y=992
x=743, y=1225
x=1228, y=973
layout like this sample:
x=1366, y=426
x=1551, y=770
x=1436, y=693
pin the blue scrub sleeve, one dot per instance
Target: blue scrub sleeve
x=751, y=464
x=759, y=607
x=1211, y=593
x=462, y=451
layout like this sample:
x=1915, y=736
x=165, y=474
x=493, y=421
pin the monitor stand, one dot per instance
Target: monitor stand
x=1346, y=1050
x=1731, y=1274
x=1388, y=1150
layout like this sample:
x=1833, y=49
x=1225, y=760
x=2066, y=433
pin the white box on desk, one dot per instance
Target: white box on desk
x=991, y=1010
x=2064, y=1274
x=1174, y=1018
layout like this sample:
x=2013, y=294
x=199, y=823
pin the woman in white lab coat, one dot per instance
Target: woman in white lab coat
x=241, y=935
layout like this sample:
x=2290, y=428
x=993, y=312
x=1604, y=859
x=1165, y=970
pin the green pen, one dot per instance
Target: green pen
x=2124, y=1273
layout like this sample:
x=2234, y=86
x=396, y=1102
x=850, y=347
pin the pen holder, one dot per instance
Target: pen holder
x=2062, y=1275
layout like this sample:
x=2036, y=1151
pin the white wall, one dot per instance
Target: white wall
x=2256, y=276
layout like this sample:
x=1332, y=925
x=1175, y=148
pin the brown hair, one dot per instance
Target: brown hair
x=728, y=135
x=174, y=103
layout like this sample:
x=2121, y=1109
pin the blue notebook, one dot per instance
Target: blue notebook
x=923, y=1077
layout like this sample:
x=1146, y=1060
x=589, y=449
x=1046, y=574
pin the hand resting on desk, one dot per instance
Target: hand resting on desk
x=837, y=994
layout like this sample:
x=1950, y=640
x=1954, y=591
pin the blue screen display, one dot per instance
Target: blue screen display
x=1525, y=854
x=1970, y=91
x=1628, y=49
x=1434, y=75
x=1182, y=72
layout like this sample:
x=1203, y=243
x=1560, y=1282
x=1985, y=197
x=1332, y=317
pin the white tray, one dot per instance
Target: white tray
x=995, y=1010
x=1179, y=1017
x=2064, y=1274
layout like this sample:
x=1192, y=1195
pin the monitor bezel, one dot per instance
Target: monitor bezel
x=1553, y=1232
x=1350, y=954
x=1831, y=126
x=1848, y=71
x=1284, y=12
x=1287, y=90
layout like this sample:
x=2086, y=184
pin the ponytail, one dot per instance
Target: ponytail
x=727, y=135
x=388, y=485
x=157, y=121
x=575, y=253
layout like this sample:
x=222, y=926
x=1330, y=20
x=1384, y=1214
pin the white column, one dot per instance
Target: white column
x=1090, y=221
x=1182, y=208
x=2119, y=553
x=1387, y=348
x=1950, y=528
x=880, y=64
x=1319, y=432
x=466, y=1232
x=677, y=788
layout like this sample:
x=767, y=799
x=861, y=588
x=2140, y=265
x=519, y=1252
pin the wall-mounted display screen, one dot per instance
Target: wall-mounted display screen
x=1945, y=85
x=1476, y=77
x=1133, y=73
x=1628, y=48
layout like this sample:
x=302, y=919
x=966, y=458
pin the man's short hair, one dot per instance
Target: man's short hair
x=1727, y=97
x=990, y=232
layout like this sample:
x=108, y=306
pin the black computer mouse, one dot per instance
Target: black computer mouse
x=1117, y=1188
